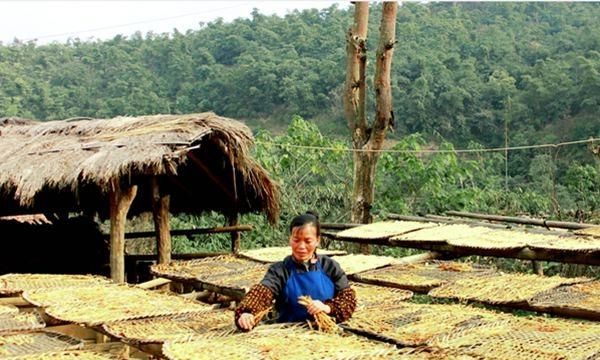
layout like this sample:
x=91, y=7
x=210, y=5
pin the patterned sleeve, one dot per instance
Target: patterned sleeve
x=343, y=304
x=259, y=298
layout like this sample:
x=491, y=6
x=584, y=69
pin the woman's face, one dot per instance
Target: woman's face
x=304, y=241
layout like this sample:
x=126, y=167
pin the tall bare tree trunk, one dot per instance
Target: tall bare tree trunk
x=366, y=138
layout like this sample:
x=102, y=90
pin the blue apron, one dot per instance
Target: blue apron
x=315, y=283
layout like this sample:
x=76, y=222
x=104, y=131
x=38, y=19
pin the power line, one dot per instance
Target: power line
x=129, y=24
x=432, y=151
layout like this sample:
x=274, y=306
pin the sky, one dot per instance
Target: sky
x=56, y=21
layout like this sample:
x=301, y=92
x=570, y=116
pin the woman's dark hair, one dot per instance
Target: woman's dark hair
x=309, y=217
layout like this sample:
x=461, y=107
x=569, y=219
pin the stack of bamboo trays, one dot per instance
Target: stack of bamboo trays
x=411, y=324
x=14, y=284
x=579, y=300
x=383, y=230
x=520, y=338
x=275, y=254
x=164, y=328
x=95, y=305
x=505, y=289
x=277, y=342
x=422, y=277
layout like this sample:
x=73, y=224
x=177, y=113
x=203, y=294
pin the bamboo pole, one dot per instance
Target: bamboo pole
x=160, y=213
x=189, y=232
x=120, y=200
x=519, y=220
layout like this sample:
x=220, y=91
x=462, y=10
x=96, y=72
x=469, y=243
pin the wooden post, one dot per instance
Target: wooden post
x=538, y=267
x=235, y=235
x=119, y=201
x=160, y=213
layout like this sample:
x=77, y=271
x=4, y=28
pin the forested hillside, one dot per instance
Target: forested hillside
x=461, y=73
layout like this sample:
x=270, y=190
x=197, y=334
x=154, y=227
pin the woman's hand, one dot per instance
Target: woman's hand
x=246, y=321
x=317, y=306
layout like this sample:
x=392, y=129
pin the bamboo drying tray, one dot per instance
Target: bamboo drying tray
x=414, y=324
x=36, y=342
x=12, y=284
x=526, y=339
x=277, y=342
x=161, y=329
x=237, y=280
x=383, y=230
x=275, y=254
x=70, y=355
x=496, y=239
x=95, y=305
x=19, y=322
x=442, y=233
x=579, y=300
x=102, y=351
x=505, y=289
x=565, y=243
x=421, y=277
x=200, y=269
x=355, y=263
x=593, y=231
x=8, y=309
x=372, y=295
x=430, y=353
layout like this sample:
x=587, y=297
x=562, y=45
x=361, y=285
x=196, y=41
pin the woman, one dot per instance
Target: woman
x=302, y=273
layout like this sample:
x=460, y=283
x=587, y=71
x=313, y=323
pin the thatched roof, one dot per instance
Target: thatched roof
x=68, y=165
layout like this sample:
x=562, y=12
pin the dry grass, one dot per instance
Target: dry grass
x=67, y=156
x=324, y=322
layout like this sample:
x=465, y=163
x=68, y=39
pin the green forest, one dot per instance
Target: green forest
x=465, y=76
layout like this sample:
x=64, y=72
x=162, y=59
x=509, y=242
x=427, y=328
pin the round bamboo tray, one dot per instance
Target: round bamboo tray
x=277, y=342
x=20, y=322
x=14, y=284
x=505, y=289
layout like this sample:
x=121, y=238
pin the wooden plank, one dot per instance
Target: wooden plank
x=154, y=283
x=16, y=301
x=75, y=331
x=189, y=232
x=190, y=256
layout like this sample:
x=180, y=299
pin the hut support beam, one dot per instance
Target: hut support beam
x=120, y=200
x=160, y=212
x=234, y=221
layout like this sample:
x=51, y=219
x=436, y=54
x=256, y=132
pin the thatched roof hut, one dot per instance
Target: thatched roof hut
x=199, y=161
